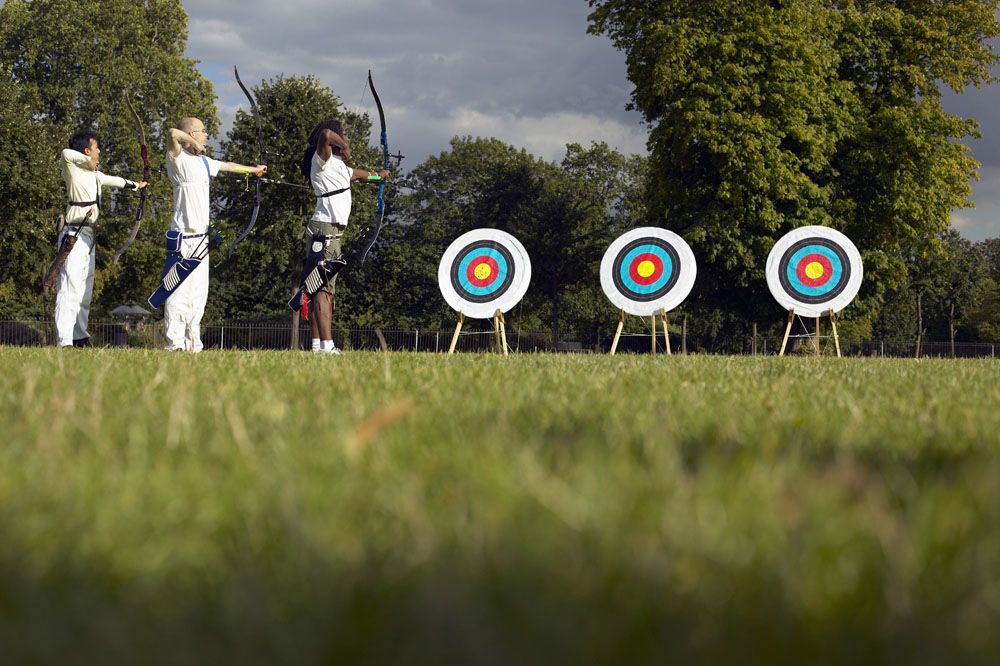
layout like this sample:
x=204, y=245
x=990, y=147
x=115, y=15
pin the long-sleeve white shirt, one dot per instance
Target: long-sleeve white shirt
x=82, y=184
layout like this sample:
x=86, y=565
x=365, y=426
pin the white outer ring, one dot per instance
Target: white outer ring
x=507, y=300
x=671, y=299
x=837, y=304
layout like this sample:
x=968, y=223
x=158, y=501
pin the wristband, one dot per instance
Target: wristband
x=374, y=178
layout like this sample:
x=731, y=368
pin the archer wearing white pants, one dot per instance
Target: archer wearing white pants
x=184, y=309
x=75, y=288
x=191, y=172
x=76, y=279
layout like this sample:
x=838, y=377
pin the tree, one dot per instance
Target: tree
x=27, y=211
x=771, y=115
x=964, y=277
x=985, y=318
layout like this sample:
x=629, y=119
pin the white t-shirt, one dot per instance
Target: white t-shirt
x=82, y=184
x=191, y=175
x=327, y=177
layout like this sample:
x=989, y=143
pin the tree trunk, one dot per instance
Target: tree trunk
x=556, y=307
x=951, y=328
x=920, y=323
x=295, y=319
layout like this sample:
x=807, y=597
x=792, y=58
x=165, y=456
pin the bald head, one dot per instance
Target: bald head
x=189, y=125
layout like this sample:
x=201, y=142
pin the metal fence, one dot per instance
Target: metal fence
x=278, y=335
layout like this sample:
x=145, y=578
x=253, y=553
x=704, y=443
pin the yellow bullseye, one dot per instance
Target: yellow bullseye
x=645, y=268
x=814, y=270
x=483, y=271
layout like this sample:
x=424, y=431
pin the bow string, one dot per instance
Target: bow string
x=262, y=159
x=143, y=193
x=386, y=164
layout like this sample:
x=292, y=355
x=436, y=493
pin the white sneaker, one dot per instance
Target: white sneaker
x=334, y=351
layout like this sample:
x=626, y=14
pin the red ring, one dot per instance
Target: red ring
x=800, y=270
x=470, y=271
x=633, y=269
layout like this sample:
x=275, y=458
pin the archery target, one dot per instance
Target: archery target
x=813, y=270
x=483, y=271
x=646, y=270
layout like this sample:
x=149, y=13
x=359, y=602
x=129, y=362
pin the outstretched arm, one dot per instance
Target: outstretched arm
x=371, y=176
x=233, y=167
x=117, y=181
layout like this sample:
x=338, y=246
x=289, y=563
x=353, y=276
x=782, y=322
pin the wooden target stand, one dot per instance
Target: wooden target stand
x=816, y=337
x=662, y=315
x=499, y=332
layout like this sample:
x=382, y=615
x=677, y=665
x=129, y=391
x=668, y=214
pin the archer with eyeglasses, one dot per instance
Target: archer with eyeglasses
x=183, y=289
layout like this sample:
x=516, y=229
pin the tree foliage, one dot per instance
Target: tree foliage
x=767, y=116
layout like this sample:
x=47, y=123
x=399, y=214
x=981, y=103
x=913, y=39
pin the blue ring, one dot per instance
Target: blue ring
x=631, y=285
x=825, y=288
x=497, y=283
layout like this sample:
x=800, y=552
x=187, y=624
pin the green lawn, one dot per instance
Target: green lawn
x=277, y=507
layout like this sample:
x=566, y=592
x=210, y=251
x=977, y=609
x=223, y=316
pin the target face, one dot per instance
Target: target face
x=646, y=270
x=813, y=270
x=483, y=271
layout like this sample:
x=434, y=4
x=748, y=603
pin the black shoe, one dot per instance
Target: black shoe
x=82, y=342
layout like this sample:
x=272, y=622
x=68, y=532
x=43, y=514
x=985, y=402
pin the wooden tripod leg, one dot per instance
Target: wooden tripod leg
x=618, y=331
x=503, y=333
x=496, y=330
x=788, y=329
x=836, y=338
x=666, y=325
x=458, y=328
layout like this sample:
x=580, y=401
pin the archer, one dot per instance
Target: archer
x=75, y=262
x=324, y=164
x=183, y=286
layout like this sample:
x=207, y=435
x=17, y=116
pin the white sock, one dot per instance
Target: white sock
x=315, y=346
x=327, y=345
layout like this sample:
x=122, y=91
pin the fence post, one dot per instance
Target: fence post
x=437, y=338
x=416, y=340
x=222, y=337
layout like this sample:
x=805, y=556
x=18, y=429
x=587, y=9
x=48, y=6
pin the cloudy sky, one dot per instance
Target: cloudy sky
x=524, y=71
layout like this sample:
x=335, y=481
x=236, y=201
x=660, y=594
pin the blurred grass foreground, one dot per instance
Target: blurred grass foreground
x=277, y=507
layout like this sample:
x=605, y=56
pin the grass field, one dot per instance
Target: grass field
x=411, y=508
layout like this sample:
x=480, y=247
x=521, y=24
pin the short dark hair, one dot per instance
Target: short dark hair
x=81, y=140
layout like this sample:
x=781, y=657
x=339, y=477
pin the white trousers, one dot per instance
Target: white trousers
x=75, y=289
x=183, y=310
